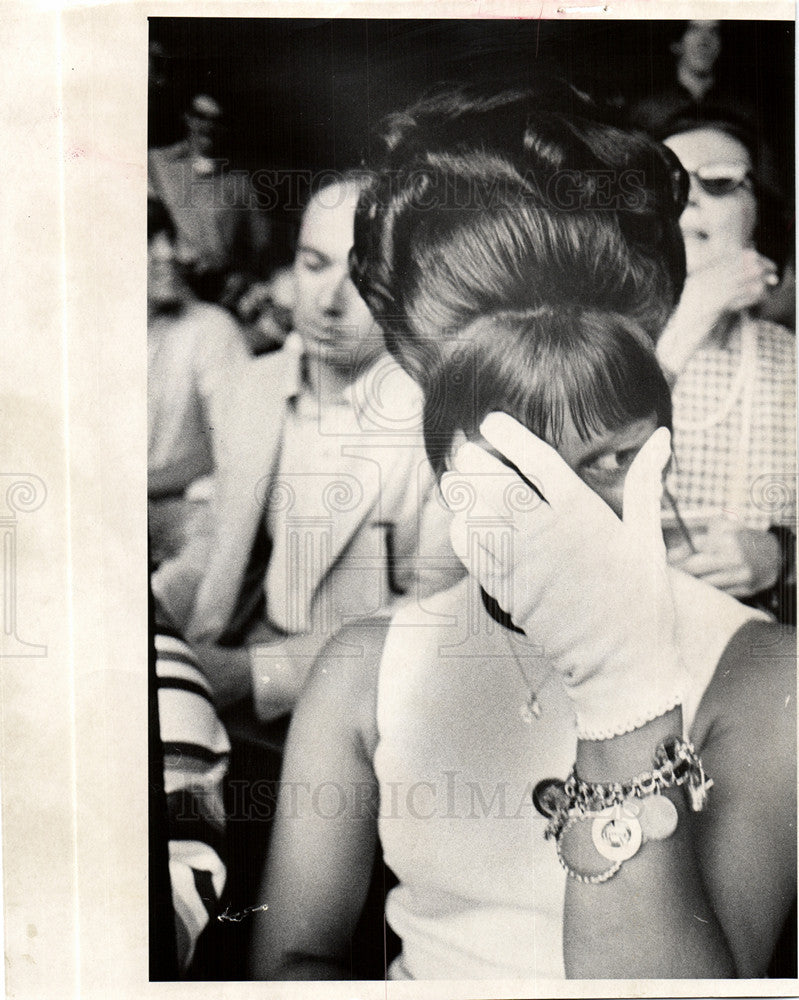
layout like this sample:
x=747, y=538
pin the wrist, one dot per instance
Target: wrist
x=621, y=815
x=629, y=695
x=615, y=759
x=785, y=541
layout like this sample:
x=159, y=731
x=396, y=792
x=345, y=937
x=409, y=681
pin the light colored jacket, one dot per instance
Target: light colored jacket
x=385, y=536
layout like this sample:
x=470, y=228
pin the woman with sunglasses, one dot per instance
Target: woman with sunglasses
x=733, y=374
x=487, y=248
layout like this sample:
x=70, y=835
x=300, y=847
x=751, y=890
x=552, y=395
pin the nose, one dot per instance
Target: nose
x=615, y=498
x=163, y=249
x=334, y=293
x=612, y=494
x=695, y=193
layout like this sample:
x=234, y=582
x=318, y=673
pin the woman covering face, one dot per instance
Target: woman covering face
x=533, y=749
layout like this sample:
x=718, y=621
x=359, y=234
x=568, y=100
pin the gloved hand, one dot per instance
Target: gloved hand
x=592, y=590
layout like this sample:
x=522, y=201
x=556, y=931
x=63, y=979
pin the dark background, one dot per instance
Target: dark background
x=305, y=93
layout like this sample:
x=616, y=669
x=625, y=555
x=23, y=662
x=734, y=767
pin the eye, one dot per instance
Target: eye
x=611, y=463
x=721, y=179
x=311, y=261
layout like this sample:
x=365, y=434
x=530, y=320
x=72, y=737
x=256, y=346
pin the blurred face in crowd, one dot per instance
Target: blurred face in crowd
x=204, y=125
x=700, y=46
x=721, y=213
x=165, y=285
x=329, y=314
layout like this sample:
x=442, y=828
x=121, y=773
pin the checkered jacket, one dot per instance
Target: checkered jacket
x=735, y=428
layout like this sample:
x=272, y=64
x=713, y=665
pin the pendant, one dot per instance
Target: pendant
x=550, y=798
x=616, y=834
x=658, y=817
x=698, y=789
x=531, y=709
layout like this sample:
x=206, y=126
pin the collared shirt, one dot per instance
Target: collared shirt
x=219, y=223
x=322, y=484
x=189, y=354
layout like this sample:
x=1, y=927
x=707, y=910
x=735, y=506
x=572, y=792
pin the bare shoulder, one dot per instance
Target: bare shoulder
x=751, y=697
x=345, y=675
x=745, y=732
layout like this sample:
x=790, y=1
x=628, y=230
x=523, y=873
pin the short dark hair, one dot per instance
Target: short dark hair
x=514, y=201
x=540, y=365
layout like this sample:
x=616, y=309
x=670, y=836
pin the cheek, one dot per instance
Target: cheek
x=610, y=489
x=356, y=312
x=303, y=292
x=733, y=221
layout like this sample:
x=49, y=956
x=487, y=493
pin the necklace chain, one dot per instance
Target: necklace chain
x=530, y=708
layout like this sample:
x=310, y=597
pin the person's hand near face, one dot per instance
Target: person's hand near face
x=591, y=587
x=725, y=275
x=740, y=560
x=725, y=272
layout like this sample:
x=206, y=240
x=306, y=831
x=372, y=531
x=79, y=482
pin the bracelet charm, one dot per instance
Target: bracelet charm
x=626, y=814
x=658, y=817
x=616, y=833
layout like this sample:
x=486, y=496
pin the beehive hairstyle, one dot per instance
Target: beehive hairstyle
x=483, y=204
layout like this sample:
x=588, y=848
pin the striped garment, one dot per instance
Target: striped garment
x=196, y=749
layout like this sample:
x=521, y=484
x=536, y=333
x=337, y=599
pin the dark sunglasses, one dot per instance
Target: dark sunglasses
x=720, y=179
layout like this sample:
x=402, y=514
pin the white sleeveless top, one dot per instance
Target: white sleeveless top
x=480, y=892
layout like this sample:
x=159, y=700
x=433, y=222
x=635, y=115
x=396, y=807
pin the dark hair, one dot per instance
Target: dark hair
x=158, y=219
x=772, y=230
x=539, y=366
x=309, y=186
x=514, y=201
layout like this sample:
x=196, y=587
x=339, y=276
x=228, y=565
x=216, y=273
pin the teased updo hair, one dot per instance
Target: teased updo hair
x=540, y=366
x=512, y=202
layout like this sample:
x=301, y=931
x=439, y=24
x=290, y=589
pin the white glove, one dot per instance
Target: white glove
x=593, y=591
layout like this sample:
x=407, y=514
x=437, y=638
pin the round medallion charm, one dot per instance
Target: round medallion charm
x=549, y=797
x=658, y=817
x=616, y=834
